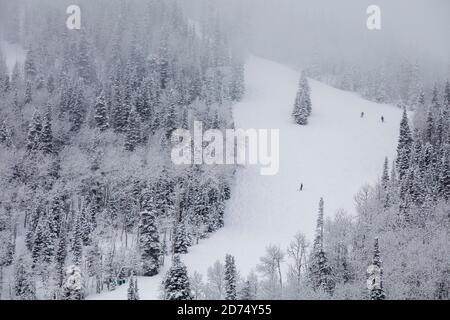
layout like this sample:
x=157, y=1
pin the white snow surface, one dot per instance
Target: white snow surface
x=333, y=156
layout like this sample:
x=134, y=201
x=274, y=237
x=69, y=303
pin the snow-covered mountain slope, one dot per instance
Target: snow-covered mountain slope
x=333, y=156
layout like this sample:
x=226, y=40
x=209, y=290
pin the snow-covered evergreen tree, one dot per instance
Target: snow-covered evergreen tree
x=302, y=106
x=230, y=278
x=101, y=113
x=46, y=141
x=176, y=284
x=375, y=276
x=404, y=146
x=34, y=133
x=149, y=244
x=181, y=239
x=133, y=131
x=319, y=271
x=24, y=285
x=73, y=287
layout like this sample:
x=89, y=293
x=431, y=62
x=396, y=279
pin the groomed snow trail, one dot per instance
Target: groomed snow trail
x=333, y=156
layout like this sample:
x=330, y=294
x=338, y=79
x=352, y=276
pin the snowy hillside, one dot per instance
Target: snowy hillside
x=267, y=210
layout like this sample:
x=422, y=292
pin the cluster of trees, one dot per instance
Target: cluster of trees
x=85, y=141
x=222, y=282
x=302, y=106
x=396, y=247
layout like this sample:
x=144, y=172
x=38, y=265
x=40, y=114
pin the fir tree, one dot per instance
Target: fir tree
x=43, y=247
x=34, y=133
x=302, y=106
x=320, y=273
x=181, y=240
x=120, y=115
x=176, y=284
x=230, y=278
x=47, y=134
x=149, y=244
x=61, y=254
x=404, y=146
x=170, y=121
x=375, y=271
x=101, y=113
x=163, y=62
x=24, y=287
x=77, y=245
x=385, y=175
x=28, y=93
x=77, y=108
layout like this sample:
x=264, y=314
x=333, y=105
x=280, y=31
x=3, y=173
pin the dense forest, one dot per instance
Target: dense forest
x=90, y=199
x=85, y=141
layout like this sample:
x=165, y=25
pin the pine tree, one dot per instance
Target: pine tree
x=375, y=276
x=61, y=254
x=77, y=245
x=34, y=133
x=43, y=246
x=133, y=132
x=149, y=244
x=230, y=278
x=47, y=134
x=120, y=116
x=181, y=240
x=176, y=284
x=28, y=93
x=24, y=287
x=101, y=112
x=302, y=106
x=320, y=273
x=385, y=176
x=170, y=121
x=163, y=62
x=55, y=216
x=77, y=108
x=404, y=147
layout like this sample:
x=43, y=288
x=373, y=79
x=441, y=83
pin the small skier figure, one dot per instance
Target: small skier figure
x=301, y=187
x=362, y=114
x=382, y=119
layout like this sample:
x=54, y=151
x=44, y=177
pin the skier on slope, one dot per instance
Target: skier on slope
x=362, y=114
x=301, y=187
x=382, y=119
